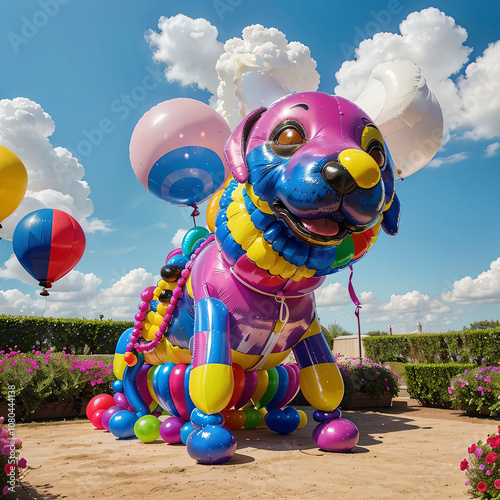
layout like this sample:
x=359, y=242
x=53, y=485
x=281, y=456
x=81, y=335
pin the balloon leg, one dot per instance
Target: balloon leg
x=210, y=443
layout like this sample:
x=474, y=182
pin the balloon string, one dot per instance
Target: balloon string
x=195, y=213
x=357, y=303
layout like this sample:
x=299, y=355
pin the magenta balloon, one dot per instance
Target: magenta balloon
x=177, y=390
x=176, y=251
x=170, y=430
x=121, y=400
x=108, y=414
x=337, y=435
x=177, y=124
x=142, y=384
x=293, y=387
x=249, y=389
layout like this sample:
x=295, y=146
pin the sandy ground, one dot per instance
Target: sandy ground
x=411, y=453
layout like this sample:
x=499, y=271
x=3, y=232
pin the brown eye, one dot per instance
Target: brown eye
x=378, y=155
x=289, y=137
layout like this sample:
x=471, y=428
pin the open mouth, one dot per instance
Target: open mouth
x=323, y=231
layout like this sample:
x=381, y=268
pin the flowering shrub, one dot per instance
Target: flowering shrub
x=10, y=463
x=482, y=467
x=477, y=390
x=51, y=377
x=365, y=375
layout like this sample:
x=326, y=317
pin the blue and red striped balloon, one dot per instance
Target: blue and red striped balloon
x=48, y=243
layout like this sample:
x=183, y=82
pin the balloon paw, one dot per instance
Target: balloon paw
x=283, y=421
x=211, y=444
x=339, y=435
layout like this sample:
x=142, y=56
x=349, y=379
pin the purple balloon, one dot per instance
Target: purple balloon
x=336, y=435
x=249, y=389
x=121, y=400
x=170, y=430
x=108, y=414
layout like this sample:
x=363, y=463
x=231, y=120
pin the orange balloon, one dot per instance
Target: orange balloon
x=234, y=419
x=212, y=209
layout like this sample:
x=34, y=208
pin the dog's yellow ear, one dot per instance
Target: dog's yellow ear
x=235, y=149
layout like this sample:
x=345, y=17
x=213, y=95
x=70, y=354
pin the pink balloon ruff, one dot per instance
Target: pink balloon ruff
x=144, y=307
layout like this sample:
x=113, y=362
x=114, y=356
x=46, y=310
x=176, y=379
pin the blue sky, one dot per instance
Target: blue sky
x=89, y=67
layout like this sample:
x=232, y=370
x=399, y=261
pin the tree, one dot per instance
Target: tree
x=376, y=333
x=483, y=325
x=332, y=331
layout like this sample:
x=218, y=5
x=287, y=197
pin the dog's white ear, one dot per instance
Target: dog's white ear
x=235, y=149
x=398, y=100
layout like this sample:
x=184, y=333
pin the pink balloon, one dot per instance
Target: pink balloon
x=249, y=389
x=293, y=387
x=178, y=124
x=170, y=430
x=177, y=390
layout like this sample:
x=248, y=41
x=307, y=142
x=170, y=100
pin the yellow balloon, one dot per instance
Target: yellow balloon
x=13, y=182
x=212, y=209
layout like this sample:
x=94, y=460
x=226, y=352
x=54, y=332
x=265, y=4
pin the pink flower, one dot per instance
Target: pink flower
x=478, y=452
x=479, y=388
x=481, y=486
x=22, y=463
x=99, y=380
x=465, y=371
x=488, y=473
x=92, y=383
x=29, y=370
x=1, y=420
x=496, y=484
x=491, y=457
x=13, y=363
x=450, y=390
x=464, y=464
x=5, y=490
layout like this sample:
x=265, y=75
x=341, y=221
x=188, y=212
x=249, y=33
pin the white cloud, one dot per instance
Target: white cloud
x=332, y=295
x=193, y=56
x=16, y=303
x=55, y=178
x=455, y=158
x=189, y=48
x=484, y=288
x=178, y=237
x=492, y=149
x=435, y=43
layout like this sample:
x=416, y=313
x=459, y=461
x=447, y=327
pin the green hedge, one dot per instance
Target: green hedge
x=429, y=382
x=28, y=333
x=481, y=347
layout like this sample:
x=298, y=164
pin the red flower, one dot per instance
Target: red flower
x=495, y=441
x=481, y=486
x=497, y=484
x=464, y=464
x=472, y=448
x=491, y=457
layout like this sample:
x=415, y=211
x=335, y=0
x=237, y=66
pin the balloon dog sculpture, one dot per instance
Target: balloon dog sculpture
x=312, y=186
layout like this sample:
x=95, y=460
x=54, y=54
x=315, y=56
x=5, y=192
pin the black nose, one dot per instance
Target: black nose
x=338, y=177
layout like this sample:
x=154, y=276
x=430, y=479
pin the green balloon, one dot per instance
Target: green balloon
x=147, y=428
x=345, y=253
x=272, y=387
x=253, y=418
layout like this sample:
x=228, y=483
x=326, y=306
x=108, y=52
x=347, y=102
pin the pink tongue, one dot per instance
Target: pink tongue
x=325, y=227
